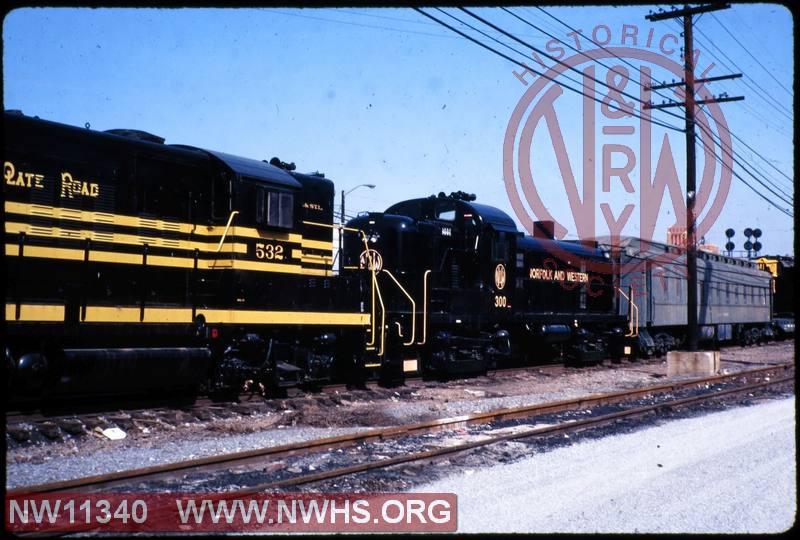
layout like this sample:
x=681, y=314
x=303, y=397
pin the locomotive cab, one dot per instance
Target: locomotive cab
x=444, y=272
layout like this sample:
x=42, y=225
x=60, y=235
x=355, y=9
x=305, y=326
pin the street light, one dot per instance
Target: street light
x=345, y=193
x=341, y=219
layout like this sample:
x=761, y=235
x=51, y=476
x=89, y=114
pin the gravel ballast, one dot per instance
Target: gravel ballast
x=132, y=457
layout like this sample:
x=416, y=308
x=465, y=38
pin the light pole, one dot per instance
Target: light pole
x=341, y=218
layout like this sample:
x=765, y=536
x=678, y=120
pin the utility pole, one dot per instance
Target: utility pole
x=689, y=105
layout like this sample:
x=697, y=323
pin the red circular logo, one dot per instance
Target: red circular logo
x=651, y=173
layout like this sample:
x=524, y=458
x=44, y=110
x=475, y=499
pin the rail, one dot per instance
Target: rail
x=352, y=439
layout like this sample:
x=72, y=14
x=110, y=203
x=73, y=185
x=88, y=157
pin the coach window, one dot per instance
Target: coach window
x=274, y=209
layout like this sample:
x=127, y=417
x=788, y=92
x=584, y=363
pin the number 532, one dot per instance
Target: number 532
x=269, y=251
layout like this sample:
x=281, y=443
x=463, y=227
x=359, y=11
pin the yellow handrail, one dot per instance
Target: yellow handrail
x=372, y=313
x=330, y=226
x=413, y=310
x=424, y=308
x=225, y=233
x=634, y=313
x=383, y=314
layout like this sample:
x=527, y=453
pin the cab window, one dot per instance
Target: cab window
x=274, y=209
x=446, y=211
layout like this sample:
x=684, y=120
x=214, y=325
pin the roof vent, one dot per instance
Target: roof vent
x=137, y=134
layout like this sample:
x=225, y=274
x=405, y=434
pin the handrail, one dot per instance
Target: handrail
x=225, y=233
x=372, y=296
x=371, y=342
x=633, y=307
x=424, y=308
x=413, y=310
x=329, y=226
x=383, y=314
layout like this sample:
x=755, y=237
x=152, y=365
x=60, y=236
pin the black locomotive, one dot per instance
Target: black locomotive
x=490, y=294
x=458, y=288
x=134, y=265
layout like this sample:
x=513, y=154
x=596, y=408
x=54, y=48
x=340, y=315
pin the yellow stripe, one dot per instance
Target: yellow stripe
x=12, y=250
x=118, y=238
x=96, y=314
x=131, y=315
x=159, y=224
x=103, y=314
x=34, y=312
x=311, y=258
x=284, y=317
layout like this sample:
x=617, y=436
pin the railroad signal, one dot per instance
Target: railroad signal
x=752, y=247
x=730, y=233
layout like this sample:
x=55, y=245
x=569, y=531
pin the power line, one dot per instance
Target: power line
x=752, y=85
x=626, y=62
x=351, y=23
x=767, y=161
x=543, y=75
x=612, y=53
x=702, y=127
x=737, y=175
x=426, y=23
x=386, y=17
x=739, y=139
x=629, y=64
x=571, y=68
x=738, y=42
x=776, y=125
x=764, y=176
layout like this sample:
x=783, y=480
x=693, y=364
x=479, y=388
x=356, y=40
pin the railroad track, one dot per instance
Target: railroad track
x=51, y=424
x=705, y=388
x=138, y=407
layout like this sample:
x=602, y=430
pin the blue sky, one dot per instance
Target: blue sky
x=386, y=96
